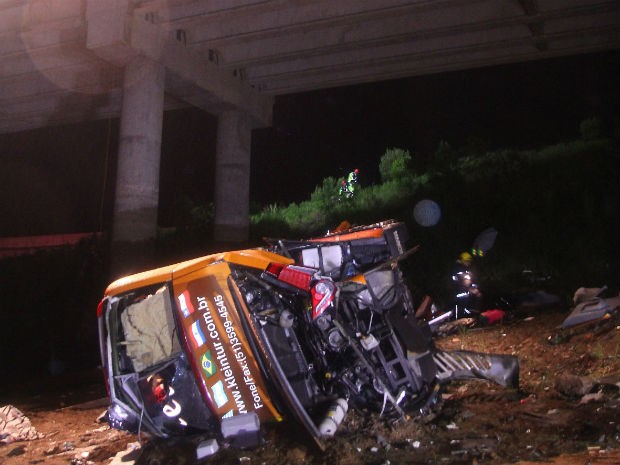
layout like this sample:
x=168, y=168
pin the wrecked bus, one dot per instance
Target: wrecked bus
x=300, y=330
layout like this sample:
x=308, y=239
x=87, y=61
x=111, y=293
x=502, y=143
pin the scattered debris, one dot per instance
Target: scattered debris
x=494, y=426
x=127, y=456
x=452, y=327
x=492, y=317
x=579, y=386
x=383, y=442
x=19, y=450
x=573, y=386
x=15, y=426
x=207, y=448
x=591, y=312
x=585, y=293
x=594, y=397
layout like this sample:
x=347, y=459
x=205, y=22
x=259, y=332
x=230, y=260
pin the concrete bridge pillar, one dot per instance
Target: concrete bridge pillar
x=232, y=177
x=137, y=175
x=137, y=179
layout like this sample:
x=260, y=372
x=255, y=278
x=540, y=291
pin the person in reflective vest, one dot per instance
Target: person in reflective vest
x=351, y=182
x=352, y=179
x=347, y=186
x=468, y=296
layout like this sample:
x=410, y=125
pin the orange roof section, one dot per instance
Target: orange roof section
x=254, y=258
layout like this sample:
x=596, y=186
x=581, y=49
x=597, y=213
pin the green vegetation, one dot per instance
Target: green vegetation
x=395, y=164
x=555, y=208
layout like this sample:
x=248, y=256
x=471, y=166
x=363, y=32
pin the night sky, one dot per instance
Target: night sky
x=60, y=179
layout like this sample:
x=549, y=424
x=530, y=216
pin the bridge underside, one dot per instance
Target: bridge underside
x=62, y=61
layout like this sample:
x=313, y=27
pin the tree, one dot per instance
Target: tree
x=591, y=128
x=395, y=164
x=444, y=157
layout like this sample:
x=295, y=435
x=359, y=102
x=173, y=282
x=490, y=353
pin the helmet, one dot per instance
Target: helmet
x=356, y=171
x=465, y=257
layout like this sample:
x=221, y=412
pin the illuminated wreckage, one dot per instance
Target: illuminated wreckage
x=299, y=330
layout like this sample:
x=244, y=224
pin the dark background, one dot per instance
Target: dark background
x=327, y=133
x=60, y=179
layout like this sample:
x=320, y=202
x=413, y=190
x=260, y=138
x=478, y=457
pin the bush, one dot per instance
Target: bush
x=591, y=128
x=444, y=157
x=327, y=192
x=394, y=164
x=555, y=208
x=490, y=165
x=268, y=223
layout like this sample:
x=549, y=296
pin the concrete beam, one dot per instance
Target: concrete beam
x=118, y=35
x=413, y=30
x=535, y=23
x=436, y=52
x=270, y=18
x=192, y=75
x=407, y=65
x=320, y=43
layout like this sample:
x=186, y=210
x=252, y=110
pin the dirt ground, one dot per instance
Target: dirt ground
x=567, y=411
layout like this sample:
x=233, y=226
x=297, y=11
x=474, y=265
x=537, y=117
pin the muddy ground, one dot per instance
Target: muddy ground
x=567, y=411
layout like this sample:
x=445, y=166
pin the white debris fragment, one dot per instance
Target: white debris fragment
x=207, y=448
x=594, y=397
x=15, y=426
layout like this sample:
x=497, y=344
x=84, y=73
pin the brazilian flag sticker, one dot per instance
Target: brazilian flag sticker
x=207, y=364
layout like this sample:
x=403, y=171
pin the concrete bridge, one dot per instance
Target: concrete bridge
x=65, y=61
